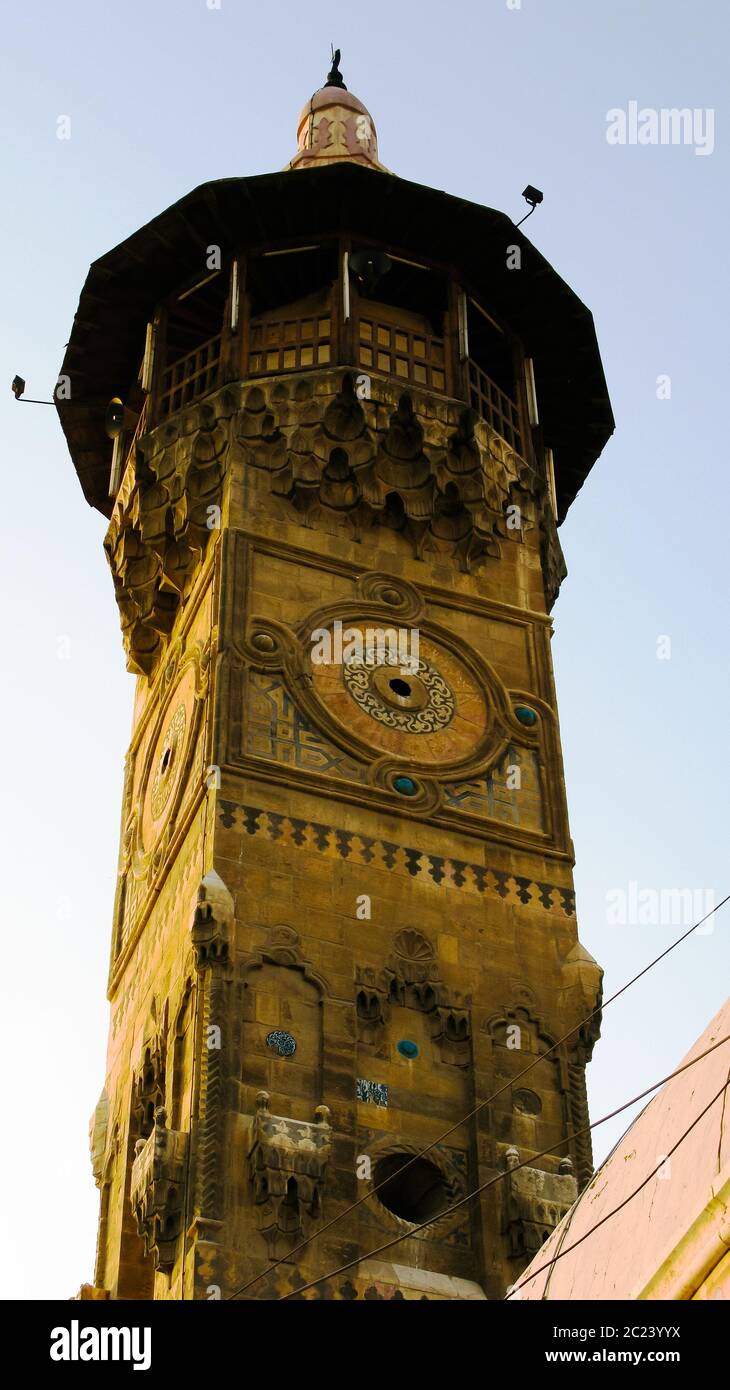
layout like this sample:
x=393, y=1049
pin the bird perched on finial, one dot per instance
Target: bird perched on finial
x=334, y=76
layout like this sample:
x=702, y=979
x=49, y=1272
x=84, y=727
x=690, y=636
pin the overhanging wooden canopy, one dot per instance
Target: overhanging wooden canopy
x=124, y=286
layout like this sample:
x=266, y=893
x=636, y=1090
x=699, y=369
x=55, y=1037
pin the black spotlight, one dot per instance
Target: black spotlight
x=368, y=267
x=533, y=196
x=17, y=387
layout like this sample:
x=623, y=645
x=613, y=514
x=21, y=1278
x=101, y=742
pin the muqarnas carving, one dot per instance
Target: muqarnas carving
x=438, y=474
x=163, y=518
x=287, y=1165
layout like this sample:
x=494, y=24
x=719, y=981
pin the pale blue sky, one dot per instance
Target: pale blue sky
x=478, y=99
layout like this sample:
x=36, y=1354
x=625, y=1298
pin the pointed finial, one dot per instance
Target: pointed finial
x=334, y=76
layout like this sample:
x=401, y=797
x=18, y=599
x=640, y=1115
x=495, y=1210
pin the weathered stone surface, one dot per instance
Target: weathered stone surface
x=287, y=921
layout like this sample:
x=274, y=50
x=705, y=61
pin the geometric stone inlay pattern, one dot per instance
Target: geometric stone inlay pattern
x=496, y=797
x=403, y=860
x=278, y=731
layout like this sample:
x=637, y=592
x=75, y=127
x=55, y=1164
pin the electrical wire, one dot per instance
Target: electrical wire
x=285, y=1259
x=528, y=1162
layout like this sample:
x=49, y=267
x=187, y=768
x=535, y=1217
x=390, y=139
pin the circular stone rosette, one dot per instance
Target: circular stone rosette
x=419, y=700
x=167, y=765
x=428, y=709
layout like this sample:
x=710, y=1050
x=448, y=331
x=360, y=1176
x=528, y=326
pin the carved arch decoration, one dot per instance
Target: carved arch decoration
x=510, y=1028
x=150, y=1073
x=282, y=947
x=283, y=1020
x=521, y=1013
x=567, y=1064
x=289, y=1153
x=411, y=978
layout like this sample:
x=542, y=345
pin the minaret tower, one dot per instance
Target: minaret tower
x=349, y=413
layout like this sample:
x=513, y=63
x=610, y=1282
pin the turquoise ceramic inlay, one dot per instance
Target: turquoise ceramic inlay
x=281, y=1042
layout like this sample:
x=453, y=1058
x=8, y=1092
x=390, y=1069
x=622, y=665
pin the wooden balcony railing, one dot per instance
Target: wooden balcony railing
x=495, y=407
x=190, y=377
x=289, y=344
x=394, y=342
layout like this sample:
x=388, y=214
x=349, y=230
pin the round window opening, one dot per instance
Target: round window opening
x=400, y=687
x=418, y=1194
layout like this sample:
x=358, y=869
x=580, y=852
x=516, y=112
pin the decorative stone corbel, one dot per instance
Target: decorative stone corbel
x=415, y=977
x=161, y=523
x=157, y=1190
x=411, y=978
x=554, y=567
x=149, y=1082
x=98, y=1129
x=535, y=1202
x=287, y=1164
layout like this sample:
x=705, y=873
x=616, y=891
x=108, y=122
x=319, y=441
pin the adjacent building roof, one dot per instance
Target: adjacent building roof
x=672, y=1240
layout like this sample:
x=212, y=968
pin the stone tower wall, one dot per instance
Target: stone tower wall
x=274, y=880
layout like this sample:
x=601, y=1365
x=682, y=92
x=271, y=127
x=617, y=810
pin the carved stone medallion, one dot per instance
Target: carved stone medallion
x=165, y=774
x=420, y=702
x=427, y=706
x=166, y=767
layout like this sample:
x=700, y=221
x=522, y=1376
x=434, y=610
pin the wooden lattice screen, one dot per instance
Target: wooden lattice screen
x=401, y=344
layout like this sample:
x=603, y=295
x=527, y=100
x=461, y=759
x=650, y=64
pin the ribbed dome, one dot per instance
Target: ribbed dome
x=335, y=125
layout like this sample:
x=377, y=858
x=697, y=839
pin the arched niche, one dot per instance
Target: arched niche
x=283, y=1034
